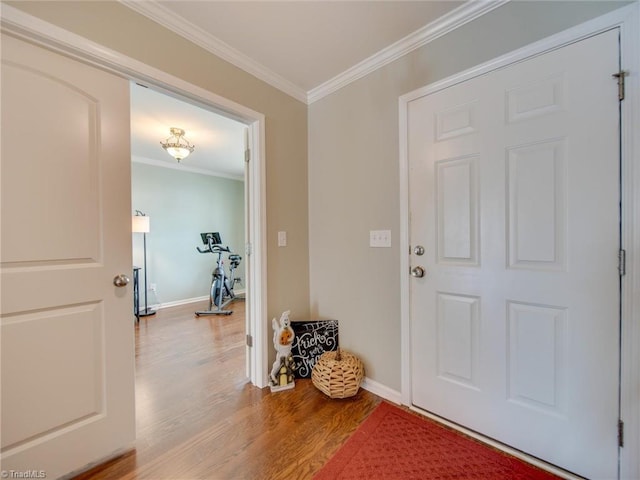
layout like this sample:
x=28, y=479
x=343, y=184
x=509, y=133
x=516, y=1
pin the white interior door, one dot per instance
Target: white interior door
x=514, y=194
x=67, y=330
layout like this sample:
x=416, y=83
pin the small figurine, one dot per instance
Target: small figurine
x=282, y=370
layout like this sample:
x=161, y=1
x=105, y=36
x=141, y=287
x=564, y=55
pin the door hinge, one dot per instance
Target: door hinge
x=248, y=249
x=249, y=340
x=247, y=155
x=620, y=433
x=620, y=77
x=622, y=262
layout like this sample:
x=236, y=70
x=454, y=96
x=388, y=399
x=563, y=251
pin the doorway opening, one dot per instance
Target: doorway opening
x=247, y=237
x=204, y=192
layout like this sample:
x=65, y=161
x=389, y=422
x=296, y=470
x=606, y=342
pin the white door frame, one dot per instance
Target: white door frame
x=627, y=19
x=50, y=36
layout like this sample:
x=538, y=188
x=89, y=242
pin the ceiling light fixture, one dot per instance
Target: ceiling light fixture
x=176, y=145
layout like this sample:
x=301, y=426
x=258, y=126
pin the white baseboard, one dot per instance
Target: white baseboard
x=186, y=301
x=176, y=303
x=382, y=391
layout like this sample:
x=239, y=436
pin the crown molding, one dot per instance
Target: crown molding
x=184, y=168
x=165, y=17
x=465, y=13
x=458, y=17
x=56, y=38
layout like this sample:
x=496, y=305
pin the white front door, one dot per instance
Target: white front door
x=514, y=195
x=66, y=330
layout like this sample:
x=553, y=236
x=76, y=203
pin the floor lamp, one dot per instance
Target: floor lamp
x=140, y=224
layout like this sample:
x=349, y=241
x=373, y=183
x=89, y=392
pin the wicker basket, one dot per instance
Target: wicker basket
x=338, y=374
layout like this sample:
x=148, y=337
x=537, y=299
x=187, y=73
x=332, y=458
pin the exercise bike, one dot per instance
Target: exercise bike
x=221, y=292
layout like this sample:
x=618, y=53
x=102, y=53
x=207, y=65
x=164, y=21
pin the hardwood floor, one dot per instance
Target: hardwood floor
x=198, y=417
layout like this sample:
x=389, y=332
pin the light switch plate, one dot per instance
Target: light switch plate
x=380, y=238
x=282, y=239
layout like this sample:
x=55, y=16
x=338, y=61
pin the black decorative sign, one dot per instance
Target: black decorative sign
x=312, y=339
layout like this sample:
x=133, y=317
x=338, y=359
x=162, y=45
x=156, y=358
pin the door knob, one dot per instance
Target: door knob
x=121, y=280
x=418, y=250
x=417, y=272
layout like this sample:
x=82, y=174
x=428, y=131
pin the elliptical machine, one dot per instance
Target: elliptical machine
x=221, y=292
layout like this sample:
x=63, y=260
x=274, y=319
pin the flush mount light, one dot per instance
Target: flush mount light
x=176, y=145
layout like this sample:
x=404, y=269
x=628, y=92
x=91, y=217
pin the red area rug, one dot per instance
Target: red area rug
x=395, y=444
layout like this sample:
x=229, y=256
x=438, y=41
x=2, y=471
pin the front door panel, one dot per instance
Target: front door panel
x=514, y=193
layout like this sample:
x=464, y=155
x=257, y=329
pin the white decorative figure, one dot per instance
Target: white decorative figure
x=282, y=370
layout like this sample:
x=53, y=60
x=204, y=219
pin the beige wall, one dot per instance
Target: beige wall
x=352, y=183
x=354, y=179
x=119, y=28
